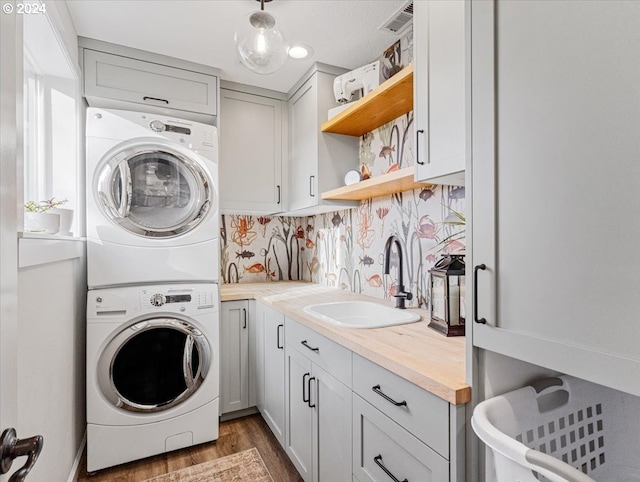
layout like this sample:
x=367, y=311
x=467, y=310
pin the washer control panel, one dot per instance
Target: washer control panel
x=183, y=299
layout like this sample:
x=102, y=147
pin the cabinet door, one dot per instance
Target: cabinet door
x=250, y=153
x=381, y=447
x=331, y=401
x=234, y=356
x=555, y=185
x=300, y=415
x=303, y=155
x=121, y=78
x=439, y=91
x=273, y=408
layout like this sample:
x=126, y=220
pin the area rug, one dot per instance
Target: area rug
x=244, y=466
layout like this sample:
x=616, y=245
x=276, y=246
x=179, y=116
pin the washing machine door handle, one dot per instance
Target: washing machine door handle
x=125, y=189
x=187, y=363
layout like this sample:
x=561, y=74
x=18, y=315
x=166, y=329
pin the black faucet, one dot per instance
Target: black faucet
x=401, y=294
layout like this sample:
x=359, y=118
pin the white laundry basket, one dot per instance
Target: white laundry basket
x=562, y=429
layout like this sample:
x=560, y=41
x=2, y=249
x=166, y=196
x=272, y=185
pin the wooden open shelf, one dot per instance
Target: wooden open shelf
x=388, y=101
x=396, y=181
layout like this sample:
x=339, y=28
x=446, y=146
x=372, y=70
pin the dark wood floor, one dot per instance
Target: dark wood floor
x=235, y=436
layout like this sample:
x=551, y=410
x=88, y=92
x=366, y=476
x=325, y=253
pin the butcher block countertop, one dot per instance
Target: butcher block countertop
x=413, y=351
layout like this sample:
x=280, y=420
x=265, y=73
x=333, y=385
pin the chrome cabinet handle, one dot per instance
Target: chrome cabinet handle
x=387, y=397
x=418, y=132
x=482, y=321
x=278, y=344
x=11, y=447
x=306, y=345
x=378, y=460
x=244, y=315
x=311, y=178
x=305, y=399
x=145, y=98
x=311, y=405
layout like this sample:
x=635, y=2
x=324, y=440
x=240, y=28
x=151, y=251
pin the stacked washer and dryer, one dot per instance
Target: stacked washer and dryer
x=153, y=300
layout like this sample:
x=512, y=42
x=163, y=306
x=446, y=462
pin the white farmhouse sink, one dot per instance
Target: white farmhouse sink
x=360, y=314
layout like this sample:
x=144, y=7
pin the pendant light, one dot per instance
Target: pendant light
x=261, y=46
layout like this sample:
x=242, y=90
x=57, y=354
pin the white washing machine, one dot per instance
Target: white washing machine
x=152, y=199
x=152, y=370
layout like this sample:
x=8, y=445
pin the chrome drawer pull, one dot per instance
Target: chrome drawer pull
x=388, y=398
x=378, y=461
x=306, y=345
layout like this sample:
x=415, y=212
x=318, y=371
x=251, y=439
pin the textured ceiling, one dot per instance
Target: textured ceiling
x=341, y=32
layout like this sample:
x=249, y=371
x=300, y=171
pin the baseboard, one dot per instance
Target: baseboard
x=75, y=468
x=239, y=413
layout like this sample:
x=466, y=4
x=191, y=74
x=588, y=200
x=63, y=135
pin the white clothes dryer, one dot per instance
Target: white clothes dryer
x=152, y=199
x=152, y=370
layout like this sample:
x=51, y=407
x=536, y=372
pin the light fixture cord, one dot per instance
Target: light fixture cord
x=262, y=5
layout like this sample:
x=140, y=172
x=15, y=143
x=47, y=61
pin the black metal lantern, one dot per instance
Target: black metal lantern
x=446, y=292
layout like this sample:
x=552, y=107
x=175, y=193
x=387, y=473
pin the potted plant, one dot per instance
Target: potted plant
x=40, y=217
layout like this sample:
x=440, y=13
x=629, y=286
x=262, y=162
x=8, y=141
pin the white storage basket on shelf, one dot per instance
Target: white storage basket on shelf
x=562, y=430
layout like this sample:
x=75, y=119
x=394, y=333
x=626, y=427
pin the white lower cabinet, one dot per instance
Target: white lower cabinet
x=383, y=451
x=234, y=356
x=318, y=436
x=271, y=378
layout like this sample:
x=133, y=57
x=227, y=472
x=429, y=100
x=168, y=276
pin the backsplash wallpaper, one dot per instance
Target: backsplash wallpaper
x=345, y=249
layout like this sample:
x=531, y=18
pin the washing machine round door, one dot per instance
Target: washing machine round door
x=154, y=364
x=153, y=188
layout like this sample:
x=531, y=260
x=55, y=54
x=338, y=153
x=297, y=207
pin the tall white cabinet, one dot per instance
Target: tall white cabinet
x=555, y=175
x=317, y=161
x=439, y=90
x=252, y=146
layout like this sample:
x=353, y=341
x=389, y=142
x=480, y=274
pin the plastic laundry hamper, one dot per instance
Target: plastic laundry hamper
x=562, y=429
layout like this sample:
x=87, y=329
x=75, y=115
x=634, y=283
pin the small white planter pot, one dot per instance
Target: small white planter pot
x=66, y=220
x=47, y=223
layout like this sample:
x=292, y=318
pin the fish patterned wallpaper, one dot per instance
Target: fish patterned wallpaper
x=345, y=249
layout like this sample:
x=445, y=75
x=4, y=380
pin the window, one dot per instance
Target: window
x=51, y=100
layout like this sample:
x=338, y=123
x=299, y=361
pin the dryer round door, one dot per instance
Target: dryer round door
x=154, y=364
x=153, y=188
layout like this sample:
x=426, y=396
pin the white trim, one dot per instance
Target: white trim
x=75, y=468
x=43, y=249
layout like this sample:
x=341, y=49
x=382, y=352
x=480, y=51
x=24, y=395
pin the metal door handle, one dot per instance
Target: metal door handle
x=304, y=387
x=156, y=99
x=11, y=447
x=311, y=178
x=280, y=347
x=305, y=344
x=482, y=321
x=278, y=186
x=387, y=397
x=309, y=391
x=244, y=315
x=187, y=362
x=378, y=460
x=418, y=132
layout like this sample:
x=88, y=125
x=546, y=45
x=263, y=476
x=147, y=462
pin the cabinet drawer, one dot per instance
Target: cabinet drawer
x=423, y=414
x=325, y=353
x=380, y=442
x=121, y=78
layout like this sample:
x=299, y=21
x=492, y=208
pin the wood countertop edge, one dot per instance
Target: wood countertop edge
x=437, y=384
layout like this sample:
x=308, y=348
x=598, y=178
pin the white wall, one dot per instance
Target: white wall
x=51, y=354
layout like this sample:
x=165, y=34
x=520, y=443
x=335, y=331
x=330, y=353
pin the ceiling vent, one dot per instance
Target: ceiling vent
x=400, y=20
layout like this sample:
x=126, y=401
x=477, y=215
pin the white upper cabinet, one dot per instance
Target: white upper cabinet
x=251, y=151
x=122, y=78
x=317, y=161
x=439, y=90
x=556, y=138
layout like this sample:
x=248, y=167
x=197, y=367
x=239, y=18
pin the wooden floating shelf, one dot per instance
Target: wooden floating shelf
x=390, y=183
x=387, y=102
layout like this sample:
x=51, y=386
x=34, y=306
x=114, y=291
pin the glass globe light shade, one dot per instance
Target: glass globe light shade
x=261, y=46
